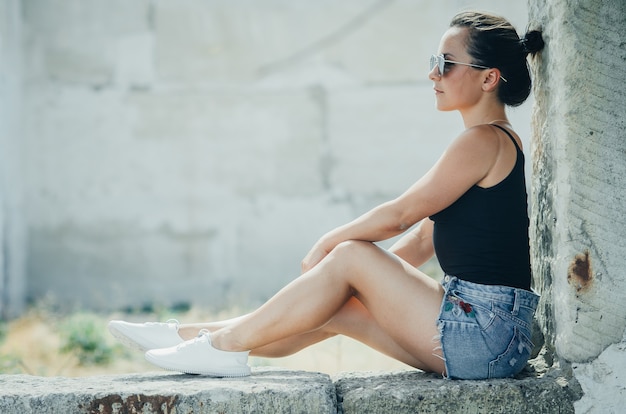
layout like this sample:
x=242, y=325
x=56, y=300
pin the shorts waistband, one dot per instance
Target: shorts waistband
x=499, y=293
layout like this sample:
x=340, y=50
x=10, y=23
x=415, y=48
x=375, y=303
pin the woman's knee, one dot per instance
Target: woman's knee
x=350, y=256
x=350, y=249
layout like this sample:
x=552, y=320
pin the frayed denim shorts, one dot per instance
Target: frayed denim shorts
x=485, y=330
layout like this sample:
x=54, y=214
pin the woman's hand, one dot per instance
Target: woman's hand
x=314, y=256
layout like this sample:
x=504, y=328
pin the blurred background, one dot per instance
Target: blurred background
x=188, y=153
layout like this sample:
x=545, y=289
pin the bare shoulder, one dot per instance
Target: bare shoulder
x=480, y=135
x=478, y=141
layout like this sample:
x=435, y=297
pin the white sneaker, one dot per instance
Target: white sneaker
x=146, y=336
x=198, y=356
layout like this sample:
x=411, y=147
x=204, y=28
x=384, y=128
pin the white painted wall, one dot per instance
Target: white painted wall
x=193, y=151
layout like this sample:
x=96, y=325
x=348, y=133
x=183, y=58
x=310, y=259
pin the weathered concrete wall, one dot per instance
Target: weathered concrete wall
x=579, y=190
x=12, y=243
x=417, y=392
x=266, y=392
x=192, y=151
x=278, y=391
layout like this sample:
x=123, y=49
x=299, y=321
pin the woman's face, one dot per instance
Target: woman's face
x=460, y=86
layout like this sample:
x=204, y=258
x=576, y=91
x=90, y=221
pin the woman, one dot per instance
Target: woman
x=470, y=209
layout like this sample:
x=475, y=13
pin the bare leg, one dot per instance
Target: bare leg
x=190, y=330
x=353, y=320
x=395, y=309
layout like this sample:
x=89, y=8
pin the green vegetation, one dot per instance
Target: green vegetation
x=84, y=335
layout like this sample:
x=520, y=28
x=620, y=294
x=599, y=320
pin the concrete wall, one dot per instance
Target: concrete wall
x=192, y=151
x=579, y=185
x=12, y=233
x=275, y=391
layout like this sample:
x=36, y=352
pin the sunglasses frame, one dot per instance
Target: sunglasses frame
x=440, y=62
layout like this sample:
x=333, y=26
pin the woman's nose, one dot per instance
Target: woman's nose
x=434, y=73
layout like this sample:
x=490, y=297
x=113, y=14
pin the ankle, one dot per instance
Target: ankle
x=187, y=332
x=224, y=340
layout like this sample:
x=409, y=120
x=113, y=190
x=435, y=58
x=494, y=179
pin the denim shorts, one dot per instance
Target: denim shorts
x=485, y=330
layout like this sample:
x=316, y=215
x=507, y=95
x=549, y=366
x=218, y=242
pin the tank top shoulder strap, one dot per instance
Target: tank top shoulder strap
x=510, y=136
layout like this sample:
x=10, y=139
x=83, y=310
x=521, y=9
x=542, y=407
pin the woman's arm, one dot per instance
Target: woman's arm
x=466, y=162
x=416, y=247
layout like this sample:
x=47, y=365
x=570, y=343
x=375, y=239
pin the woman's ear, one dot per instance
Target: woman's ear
x=491, y=79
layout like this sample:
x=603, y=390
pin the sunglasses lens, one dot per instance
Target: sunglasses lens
x=439, y=61
x=433, y=61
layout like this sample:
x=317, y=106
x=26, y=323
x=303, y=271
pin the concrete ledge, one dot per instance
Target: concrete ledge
x=417, y=392
x=271, y=390
x=266, y=391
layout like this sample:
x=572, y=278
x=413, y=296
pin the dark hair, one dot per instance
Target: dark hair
x=493, y=42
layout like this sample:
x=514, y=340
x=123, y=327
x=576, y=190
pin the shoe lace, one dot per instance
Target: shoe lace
x=175, y=322
x=203, y=336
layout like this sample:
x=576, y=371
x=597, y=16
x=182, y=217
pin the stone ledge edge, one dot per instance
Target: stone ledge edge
x=274, y=390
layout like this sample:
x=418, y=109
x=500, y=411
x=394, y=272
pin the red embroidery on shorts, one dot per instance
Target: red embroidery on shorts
x=464, y=306
x=467, y=308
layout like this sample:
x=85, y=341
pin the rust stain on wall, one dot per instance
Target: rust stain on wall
x=580, y=273
x=133, y=404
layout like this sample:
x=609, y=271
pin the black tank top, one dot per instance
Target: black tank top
x=483, y=236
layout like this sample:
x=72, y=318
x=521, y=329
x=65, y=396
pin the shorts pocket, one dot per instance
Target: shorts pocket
x=514, y=358
x=473, y=307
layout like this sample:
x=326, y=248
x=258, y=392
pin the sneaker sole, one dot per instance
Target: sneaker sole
x=120, y=336
x=235, y=372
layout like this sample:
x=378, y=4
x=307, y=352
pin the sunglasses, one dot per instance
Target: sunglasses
x=440, y=62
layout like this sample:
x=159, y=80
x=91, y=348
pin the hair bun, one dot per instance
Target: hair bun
x=532, y=42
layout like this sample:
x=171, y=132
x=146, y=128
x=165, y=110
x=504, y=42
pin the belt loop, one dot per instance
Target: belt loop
x=516, y=303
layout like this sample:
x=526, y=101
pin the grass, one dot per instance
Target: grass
x=83, y=335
